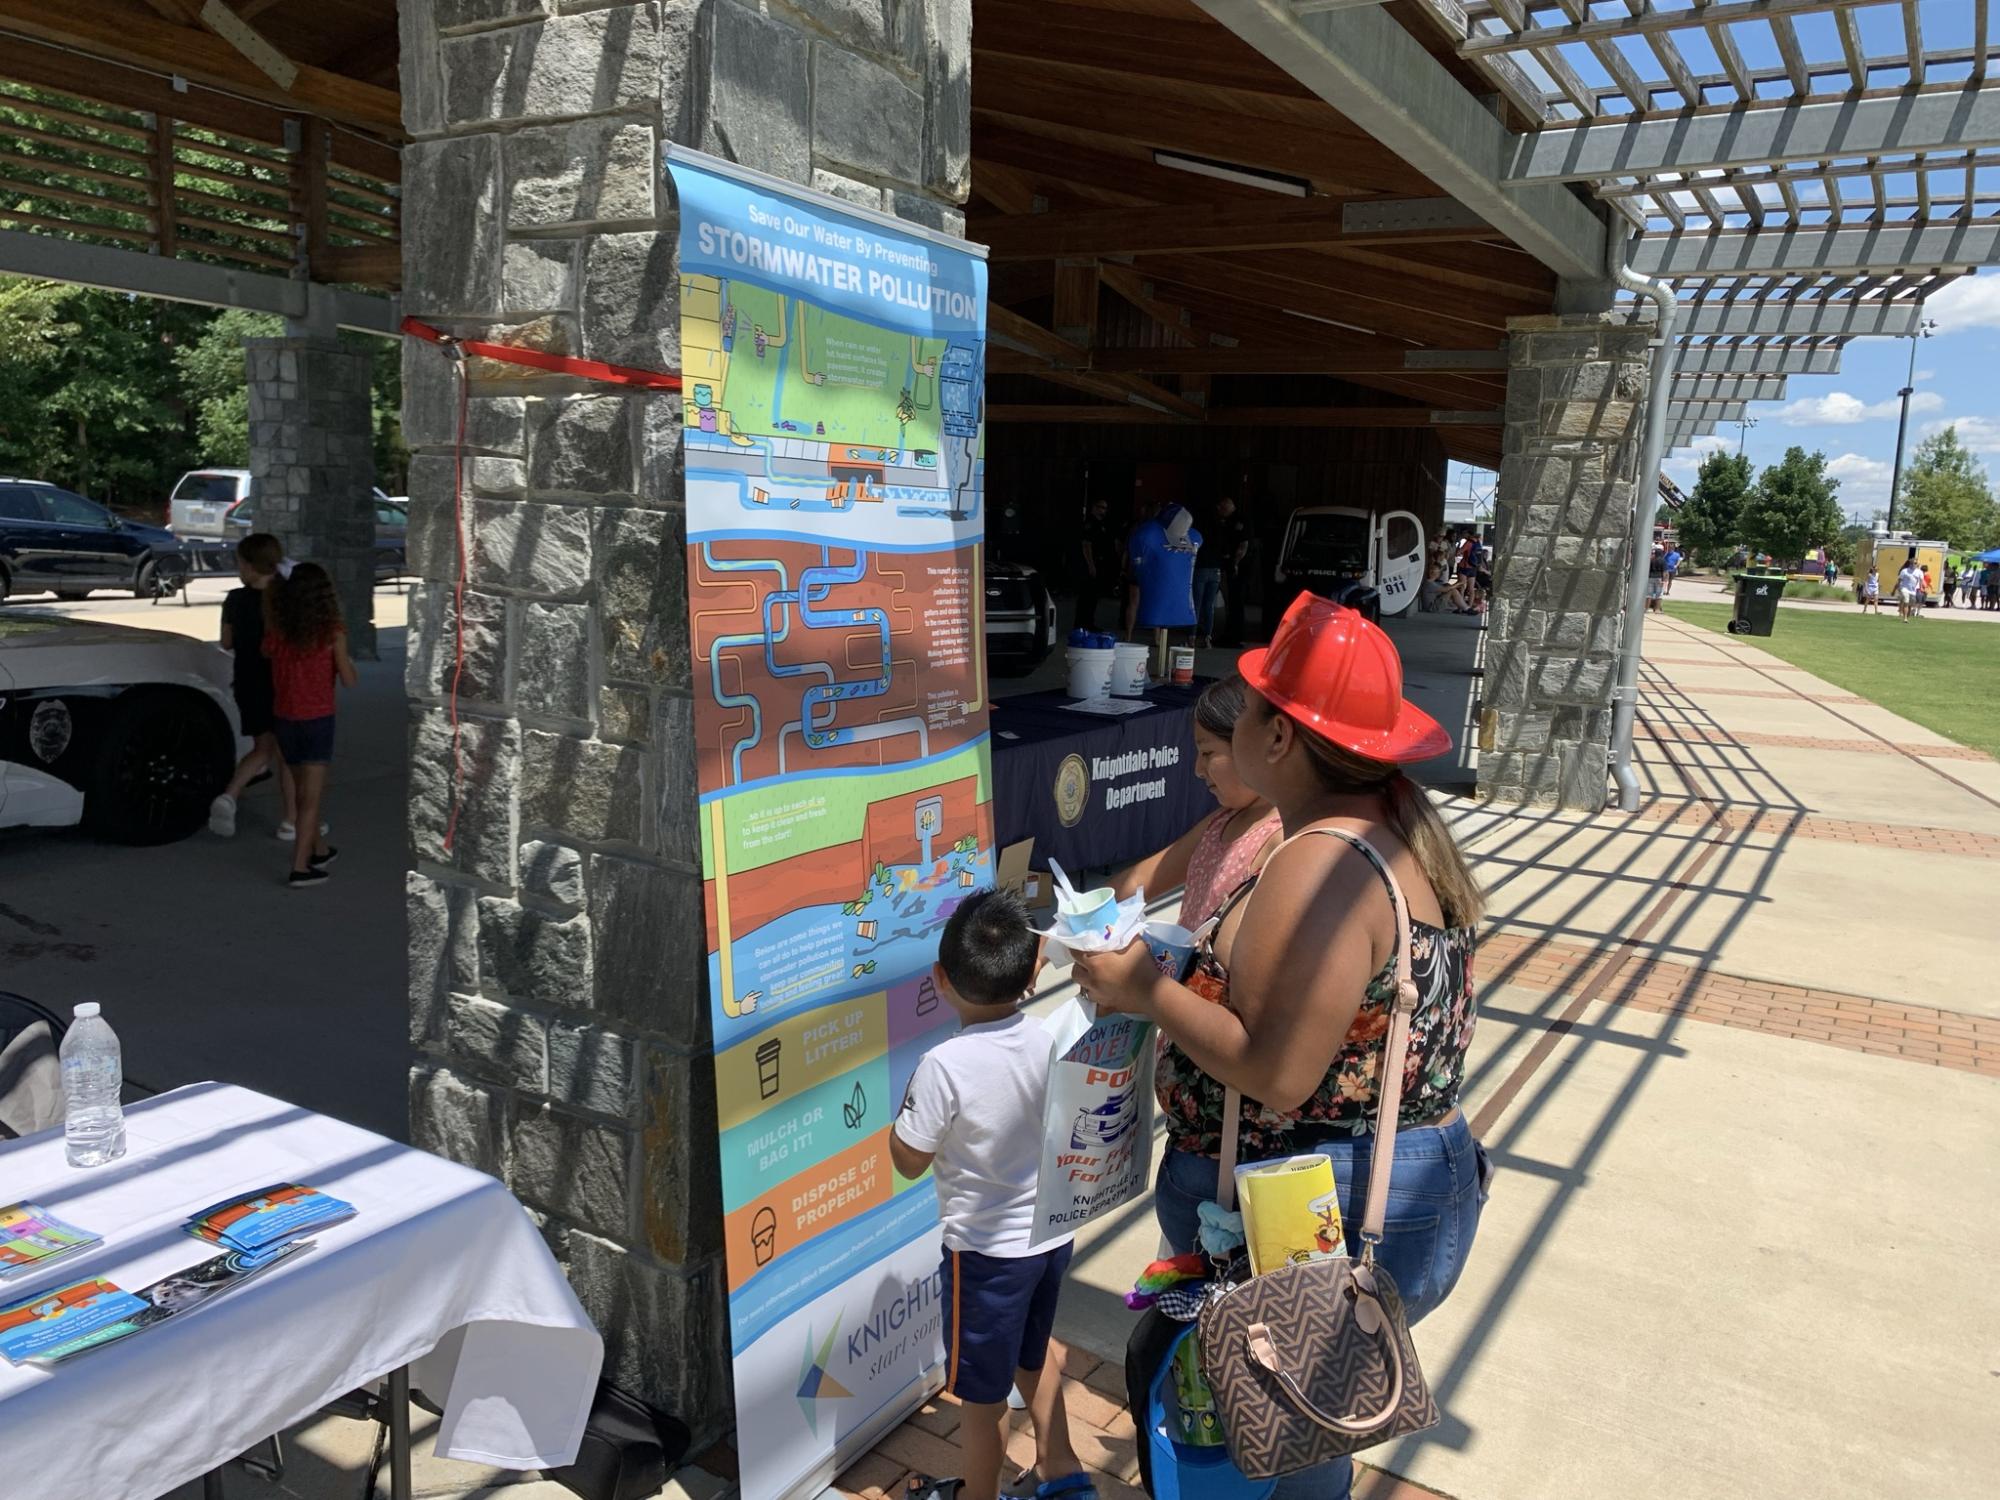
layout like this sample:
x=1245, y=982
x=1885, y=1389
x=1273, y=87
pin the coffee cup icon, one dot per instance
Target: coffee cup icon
x=767, y=1068
x=764, y=1236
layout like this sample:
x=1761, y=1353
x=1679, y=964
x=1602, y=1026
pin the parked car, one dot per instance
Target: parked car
x=202, y=500
x=129, y=732
x=392, y=525
x=1372, y=562
x=52, y=541
x=1020, y=619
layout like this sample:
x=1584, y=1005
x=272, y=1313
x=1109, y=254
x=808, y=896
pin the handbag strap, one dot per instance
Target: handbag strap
x=1395, y=1052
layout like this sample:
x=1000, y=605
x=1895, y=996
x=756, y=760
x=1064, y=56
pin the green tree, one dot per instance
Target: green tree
x=1791, y=508
x=212, y=376
x=1707, y=524
x=1946, y=496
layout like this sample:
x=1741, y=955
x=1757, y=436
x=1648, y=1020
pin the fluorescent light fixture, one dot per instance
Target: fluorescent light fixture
x=1202, y=166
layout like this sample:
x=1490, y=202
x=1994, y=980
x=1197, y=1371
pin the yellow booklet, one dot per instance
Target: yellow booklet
x=1291, y=1211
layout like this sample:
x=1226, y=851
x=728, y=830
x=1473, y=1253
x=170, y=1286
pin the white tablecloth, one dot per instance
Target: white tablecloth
x=439, y=1268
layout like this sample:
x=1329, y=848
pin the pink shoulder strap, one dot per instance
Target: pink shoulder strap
x=1395, y=1051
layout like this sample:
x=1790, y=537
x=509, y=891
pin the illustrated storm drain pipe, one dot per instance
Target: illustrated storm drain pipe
x=1645, y=504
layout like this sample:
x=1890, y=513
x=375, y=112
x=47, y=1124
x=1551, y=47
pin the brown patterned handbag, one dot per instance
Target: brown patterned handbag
x=1313, y=1360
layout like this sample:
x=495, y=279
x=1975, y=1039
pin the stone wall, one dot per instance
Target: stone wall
x=312, y=464
x=557, y=947
x=1576, y=389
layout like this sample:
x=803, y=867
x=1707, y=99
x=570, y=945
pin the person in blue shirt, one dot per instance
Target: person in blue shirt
x=1673, y=561
x=1161, y=553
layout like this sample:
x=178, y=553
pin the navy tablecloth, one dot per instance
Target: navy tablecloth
x=1095, y=792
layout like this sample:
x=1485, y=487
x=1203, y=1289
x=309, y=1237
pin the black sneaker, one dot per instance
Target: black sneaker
x=321, y=861
x=299, y=879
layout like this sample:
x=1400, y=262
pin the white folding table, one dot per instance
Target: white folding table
x=439, y=1280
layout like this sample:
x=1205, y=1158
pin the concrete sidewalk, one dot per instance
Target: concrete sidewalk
x=1741, y=1079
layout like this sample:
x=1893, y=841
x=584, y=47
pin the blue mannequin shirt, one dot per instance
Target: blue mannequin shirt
x=1165, y=573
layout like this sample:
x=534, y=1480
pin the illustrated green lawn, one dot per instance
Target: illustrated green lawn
x=867, y=384
x=1937, y=674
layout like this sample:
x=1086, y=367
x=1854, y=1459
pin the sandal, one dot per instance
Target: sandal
x=924, y=1487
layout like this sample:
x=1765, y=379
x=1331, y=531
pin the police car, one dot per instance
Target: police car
x=128, y=732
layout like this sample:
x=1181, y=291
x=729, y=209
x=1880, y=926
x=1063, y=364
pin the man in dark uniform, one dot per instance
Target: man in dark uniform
x=1098, y=561
x=1225, y=543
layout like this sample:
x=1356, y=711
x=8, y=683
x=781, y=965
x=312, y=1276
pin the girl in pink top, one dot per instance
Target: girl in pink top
x=1230, y=845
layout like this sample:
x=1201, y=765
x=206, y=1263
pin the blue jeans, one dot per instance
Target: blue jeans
x=1435, y=1195
x=1207, y=589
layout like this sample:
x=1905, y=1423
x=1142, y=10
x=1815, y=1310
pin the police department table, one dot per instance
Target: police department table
x=1095, y=792
x=439, y=1274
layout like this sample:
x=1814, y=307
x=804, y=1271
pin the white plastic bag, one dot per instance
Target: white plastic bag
x=1097, y=1121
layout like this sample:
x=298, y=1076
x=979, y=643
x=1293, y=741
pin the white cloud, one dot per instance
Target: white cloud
x=1923, y=375
x=1980, y=434
x=1839, y=409
x=1684, y=463
x=1969, y=302
x=1864, y=481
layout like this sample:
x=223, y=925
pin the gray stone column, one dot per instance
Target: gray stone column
x=558, y=967
x=312, y=464
x=1576, y=388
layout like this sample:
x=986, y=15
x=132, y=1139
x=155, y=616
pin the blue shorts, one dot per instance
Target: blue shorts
x=997, y=1317
x=305, y=742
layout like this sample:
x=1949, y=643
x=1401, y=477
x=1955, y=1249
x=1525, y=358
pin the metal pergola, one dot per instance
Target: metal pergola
x=1801, y=171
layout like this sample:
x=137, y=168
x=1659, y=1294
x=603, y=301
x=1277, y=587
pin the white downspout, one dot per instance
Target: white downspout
x=1646, y=502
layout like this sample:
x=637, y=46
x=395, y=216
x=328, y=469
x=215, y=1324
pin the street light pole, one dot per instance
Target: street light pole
x=1743, y=426
x=1922, y=330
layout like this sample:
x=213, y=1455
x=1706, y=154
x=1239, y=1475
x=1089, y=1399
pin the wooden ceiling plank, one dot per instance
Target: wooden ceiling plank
x=1191, y=51
x=1008, y=189
x=149, y=41
x=1272, y=223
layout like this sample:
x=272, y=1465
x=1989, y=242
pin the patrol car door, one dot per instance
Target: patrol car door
x=1399, y=560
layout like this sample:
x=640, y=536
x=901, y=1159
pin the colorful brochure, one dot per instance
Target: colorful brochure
x=259, y=1221
x=62, y=1316
x=61, y=1333
x=31, y=1237
x=1291, y=1211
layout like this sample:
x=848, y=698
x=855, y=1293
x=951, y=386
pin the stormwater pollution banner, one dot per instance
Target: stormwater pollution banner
x=833, y=363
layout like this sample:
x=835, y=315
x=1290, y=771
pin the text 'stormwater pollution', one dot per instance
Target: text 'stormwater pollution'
x=833, y=363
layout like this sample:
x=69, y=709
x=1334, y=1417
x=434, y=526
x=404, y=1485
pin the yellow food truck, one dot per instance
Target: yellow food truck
x=1886, y=551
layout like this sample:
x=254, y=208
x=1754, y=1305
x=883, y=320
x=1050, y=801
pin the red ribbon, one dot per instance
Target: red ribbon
x=560, y=364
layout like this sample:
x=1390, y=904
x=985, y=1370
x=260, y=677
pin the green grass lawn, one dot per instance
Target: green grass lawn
x=1939, y=675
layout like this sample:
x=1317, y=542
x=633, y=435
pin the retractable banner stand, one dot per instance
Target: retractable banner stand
x=832, y=362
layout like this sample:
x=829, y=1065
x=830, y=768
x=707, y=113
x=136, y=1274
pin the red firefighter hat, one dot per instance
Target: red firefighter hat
x=1340, y=676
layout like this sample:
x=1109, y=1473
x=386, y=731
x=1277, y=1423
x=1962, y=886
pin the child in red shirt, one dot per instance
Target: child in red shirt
x=307, y=644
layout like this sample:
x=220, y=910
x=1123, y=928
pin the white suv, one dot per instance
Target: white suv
x=131, y=732
x=202, y=501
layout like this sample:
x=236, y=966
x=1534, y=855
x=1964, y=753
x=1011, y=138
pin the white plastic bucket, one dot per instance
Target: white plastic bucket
x=1089, y=671
x=1128, y=670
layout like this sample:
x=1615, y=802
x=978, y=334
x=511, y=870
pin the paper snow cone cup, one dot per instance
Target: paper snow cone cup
x=1172, y=948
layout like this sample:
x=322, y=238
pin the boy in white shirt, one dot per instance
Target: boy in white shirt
x=1910, y=590
x=973, y=1118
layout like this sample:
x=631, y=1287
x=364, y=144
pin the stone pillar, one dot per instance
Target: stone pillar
x=558, y=966
x=312, y=464
x=1576, y=389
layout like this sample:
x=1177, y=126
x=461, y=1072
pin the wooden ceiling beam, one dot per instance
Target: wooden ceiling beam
x=152, y=42
x=1249, y=416
x=1286, y=146
x=1272, y=223
x=1067, y=363
x=1131, y=177
x=1387, y=360
x=1187, y=51
x=1356, y=299
x=1007, y=188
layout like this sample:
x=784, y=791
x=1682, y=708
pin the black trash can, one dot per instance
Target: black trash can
x=1757, y=596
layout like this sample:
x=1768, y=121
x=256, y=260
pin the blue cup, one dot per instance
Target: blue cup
x=1172, y=948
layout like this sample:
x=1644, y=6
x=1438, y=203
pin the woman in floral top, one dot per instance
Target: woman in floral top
x=1289, y=1003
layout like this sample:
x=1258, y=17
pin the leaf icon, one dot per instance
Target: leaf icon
x=855, y=1107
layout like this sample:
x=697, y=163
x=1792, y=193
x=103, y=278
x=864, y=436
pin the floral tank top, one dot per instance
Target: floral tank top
x=1220, y=864
x=1344, y=1103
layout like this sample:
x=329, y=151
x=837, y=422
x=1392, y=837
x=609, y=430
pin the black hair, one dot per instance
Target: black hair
x=987, y=951
x=1220, y=706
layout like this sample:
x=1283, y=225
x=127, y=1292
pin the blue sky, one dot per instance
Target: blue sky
x=1851, y=417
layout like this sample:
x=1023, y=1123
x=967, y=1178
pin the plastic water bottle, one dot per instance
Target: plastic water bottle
x=93, y=1072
